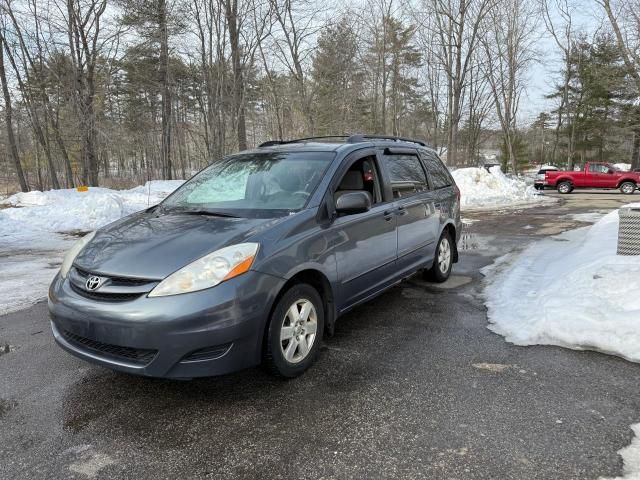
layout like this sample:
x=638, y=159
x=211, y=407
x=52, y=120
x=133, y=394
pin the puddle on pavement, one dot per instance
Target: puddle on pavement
x=470, y=242
x=454, y=281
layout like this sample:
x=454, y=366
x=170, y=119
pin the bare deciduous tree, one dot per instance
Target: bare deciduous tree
x=509, y=45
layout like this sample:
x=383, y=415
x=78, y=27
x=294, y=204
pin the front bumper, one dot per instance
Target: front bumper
x=211, y=332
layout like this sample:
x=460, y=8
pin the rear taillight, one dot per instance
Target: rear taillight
x=457, y=192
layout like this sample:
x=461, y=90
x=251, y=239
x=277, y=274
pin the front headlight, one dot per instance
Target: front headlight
x=209, y=270
x=73, y=253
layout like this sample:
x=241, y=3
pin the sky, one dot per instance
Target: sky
x=547, y=70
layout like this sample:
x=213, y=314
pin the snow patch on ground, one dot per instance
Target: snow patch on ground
x=630, y=457
x=26, y=278
x=572, y=290
x=36, y=228
x=589, y=217
x=482, y=190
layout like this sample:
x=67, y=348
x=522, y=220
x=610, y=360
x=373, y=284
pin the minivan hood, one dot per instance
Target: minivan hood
x=148, y=245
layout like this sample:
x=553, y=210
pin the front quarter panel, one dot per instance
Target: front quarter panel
x=296, y=245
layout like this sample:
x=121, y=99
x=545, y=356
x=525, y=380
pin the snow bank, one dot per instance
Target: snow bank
x=630, y=457
x=625, y=167
x=481, y=189
x=571, y=290
x=70, y=210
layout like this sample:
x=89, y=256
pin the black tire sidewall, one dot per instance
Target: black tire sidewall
x=274, y=359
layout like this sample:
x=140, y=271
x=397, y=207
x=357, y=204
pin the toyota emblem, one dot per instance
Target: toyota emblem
x=93, y=282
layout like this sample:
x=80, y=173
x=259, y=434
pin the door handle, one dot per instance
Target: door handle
x=402, y=211
x=388, y=215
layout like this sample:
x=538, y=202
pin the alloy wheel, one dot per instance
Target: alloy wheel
x=444, y=255
x=298, y=330
x=627, y=188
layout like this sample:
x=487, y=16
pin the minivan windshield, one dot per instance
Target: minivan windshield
x=253, y=184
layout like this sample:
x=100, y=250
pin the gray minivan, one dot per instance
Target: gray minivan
x=255, y=257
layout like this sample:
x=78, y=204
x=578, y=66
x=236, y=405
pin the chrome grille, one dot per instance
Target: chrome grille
x=112, y=289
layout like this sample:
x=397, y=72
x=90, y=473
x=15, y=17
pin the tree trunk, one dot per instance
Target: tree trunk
x=8, y=115
x=231, y=12
x=635, y=155
x=166, y=89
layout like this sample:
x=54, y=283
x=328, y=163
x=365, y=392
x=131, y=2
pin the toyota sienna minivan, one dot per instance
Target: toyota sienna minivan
x=255, y=257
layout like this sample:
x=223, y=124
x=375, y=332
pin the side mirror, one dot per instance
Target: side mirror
x=611, y=171
x=353, y=202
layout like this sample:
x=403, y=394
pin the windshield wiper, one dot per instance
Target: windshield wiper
x=211, y=213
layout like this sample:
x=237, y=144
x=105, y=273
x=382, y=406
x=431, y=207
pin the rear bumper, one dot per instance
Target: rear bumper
x=211, y=332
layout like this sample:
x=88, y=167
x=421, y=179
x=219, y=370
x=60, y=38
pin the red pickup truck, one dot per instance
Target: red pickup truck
x=594, y=175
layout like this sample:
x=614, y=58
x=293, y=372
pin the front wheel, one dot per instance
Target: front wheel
x=295, y=331
x=628, y=188
x=443, y=260
x=565, y=187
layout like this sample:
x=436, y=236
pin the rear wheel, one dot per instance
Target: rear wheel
x=565, y=187
x=443, y=261
x=295, y=331
x=627, y=188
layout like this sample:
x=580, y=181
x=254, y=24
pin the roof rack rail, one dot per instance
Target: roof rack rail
x=363, y=138
x=271, y=143
x=349, y=139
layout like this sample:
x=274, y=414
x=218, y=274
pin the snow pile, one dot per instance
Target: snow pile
x=571, y=290
x=481, y=189
x=625, y=167
x=70, y=210
x=631, y=457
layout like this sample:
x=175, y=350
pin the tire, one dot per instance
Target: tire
x=443, y=260
x=627, y=188
x=565, y=187
x=285, y=355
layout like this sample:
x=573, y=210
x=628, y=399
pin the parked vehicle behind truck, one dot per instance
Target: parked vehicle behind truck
x=594, y=175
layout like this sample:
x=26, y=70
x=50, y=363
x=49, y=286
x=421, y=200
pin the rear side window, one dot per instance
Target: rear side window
x=599, y=168
x=406, y=174
x=405, y=168
x=440, y=176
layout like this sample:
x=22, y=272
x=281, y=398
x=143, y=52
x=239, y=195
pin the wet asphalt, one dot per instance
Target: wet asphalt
x=412, y=385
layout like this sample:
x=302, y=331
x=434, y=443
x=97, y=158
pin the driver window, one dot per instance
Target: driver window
x=361, y=176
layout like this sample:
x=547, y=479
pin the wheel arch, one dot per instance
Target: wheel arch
x=321, y=283
x=626, y=180
x=564, y=179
